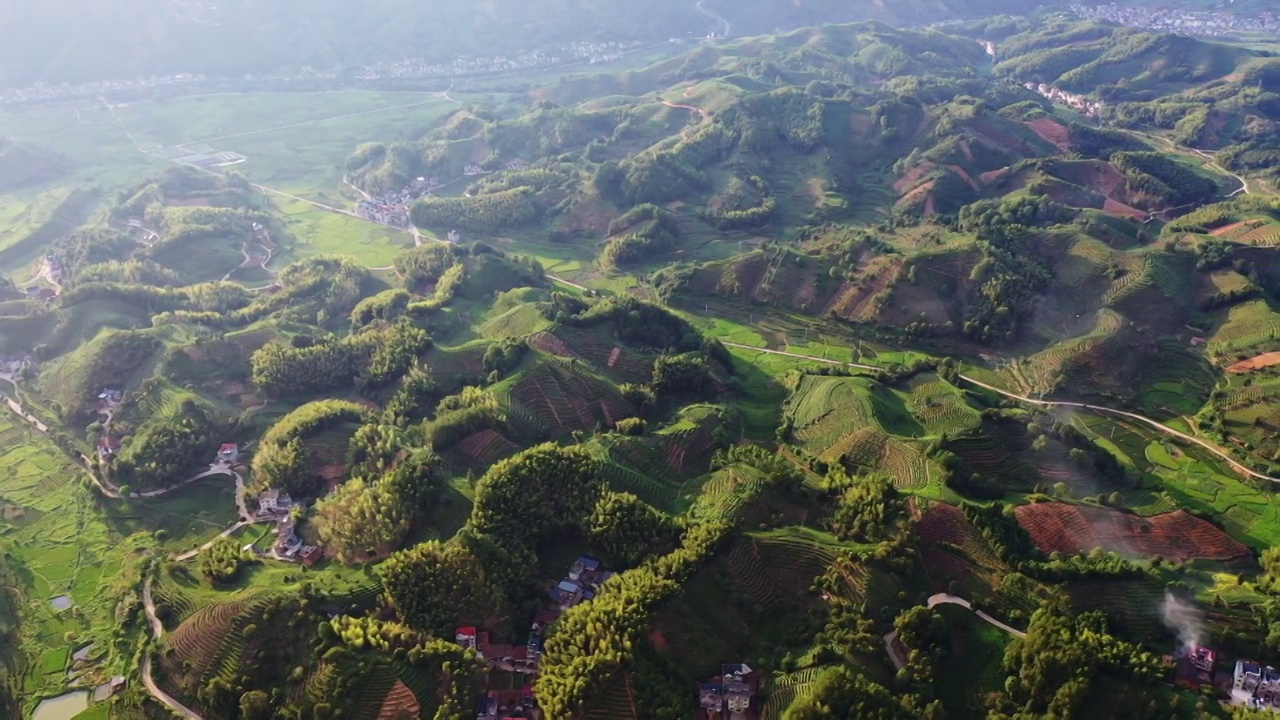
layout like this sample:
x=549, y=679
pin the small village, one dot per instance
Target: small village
x=1215, y=23
x=727, y=695
x=1249, y=684
x=579, y=52
x=393, y=208
x=582, y=51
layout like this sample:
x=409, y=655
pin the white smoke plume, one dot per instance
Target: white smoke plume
x=1184, y=619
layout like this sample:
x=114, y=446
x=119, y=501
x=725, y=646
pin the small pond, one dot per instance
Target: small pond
x=63, y=707
x=79, y=660
x=62, y=602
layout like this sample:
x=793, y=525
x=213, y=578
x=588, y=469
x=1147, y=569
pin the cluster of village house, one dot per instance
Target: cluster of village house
x=261, y=236
x=1079, y=103
x=1213, y=23
x=12, y=365
x=393, y=207
x=590, y=52
x=580, y=584
x=276, y=506
x=108, y=400
x=1251, y=684
x=44, y=92
x=727, y=695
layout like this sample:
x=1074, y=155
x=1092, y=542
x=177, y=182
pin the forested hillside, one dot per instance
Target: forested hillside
x=849, y=371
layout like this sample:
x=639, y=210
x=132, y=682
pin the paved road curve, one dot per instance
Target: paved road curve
x=1235, y=464
x=945, y=599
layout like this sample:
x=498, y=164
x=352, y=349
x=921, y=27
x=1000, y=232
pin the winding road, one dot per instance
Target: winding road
x=157, y=632
x=1210, y=157
x=892, y=646
x=945, y=599
x=714, y=16
x=1235, y=464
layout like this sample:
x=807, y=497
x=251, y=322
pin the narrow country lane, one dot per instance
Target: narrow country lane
x=1235, y=464
x=157, y=632
x=945, y=599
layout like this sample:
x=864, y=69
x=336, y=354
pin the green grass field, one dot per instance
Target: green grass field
x=64, y=547
x=294, y=142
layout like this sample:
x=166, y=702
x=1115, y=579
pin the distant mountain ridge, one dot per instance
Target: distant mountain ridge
x=69, y=41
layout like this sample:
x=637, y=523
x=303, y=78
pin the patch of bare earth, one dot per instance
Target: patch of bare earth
x=905, y=183
x=914, y=195
x=1242, y=225
x=400, y=703
x=1255, y=363
x=964, y=175
x=589, y=216
x=1052, y=131
x=1176, y=536
x=993, y=175
x=1119, y=209
x=854, y=302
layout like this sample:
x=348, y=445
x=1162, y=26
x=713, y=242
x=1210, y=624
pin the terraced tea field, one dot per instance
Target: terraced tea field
x=940, y=406
x=1242, y=329
x=552, y=400
x=781, y=692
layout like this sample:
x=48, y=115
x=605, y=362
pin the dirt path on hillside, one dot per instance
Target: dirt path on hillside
x=1255, y=363
x=157, y=632
x=802, y=357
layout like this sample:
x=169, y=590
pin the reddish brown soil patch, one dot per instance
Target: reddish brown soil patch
x=486, y=447
x=854, y=302
x=658, y=640
x=1242, y=225
x=964, y=175
x=861, y=124
x=1052, y=131
x=1101, y=177
x=332, y=472
x=1256, y=363
x=929, y=208
x=1176, y=536
x=944, y=524
x=915, y=194
x=1119, y=209
x=913, y=176
x=399, y=703
x=993, y=175
x=967, y=150
x=588, y=216
x=550, y=344
x=188, y=202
